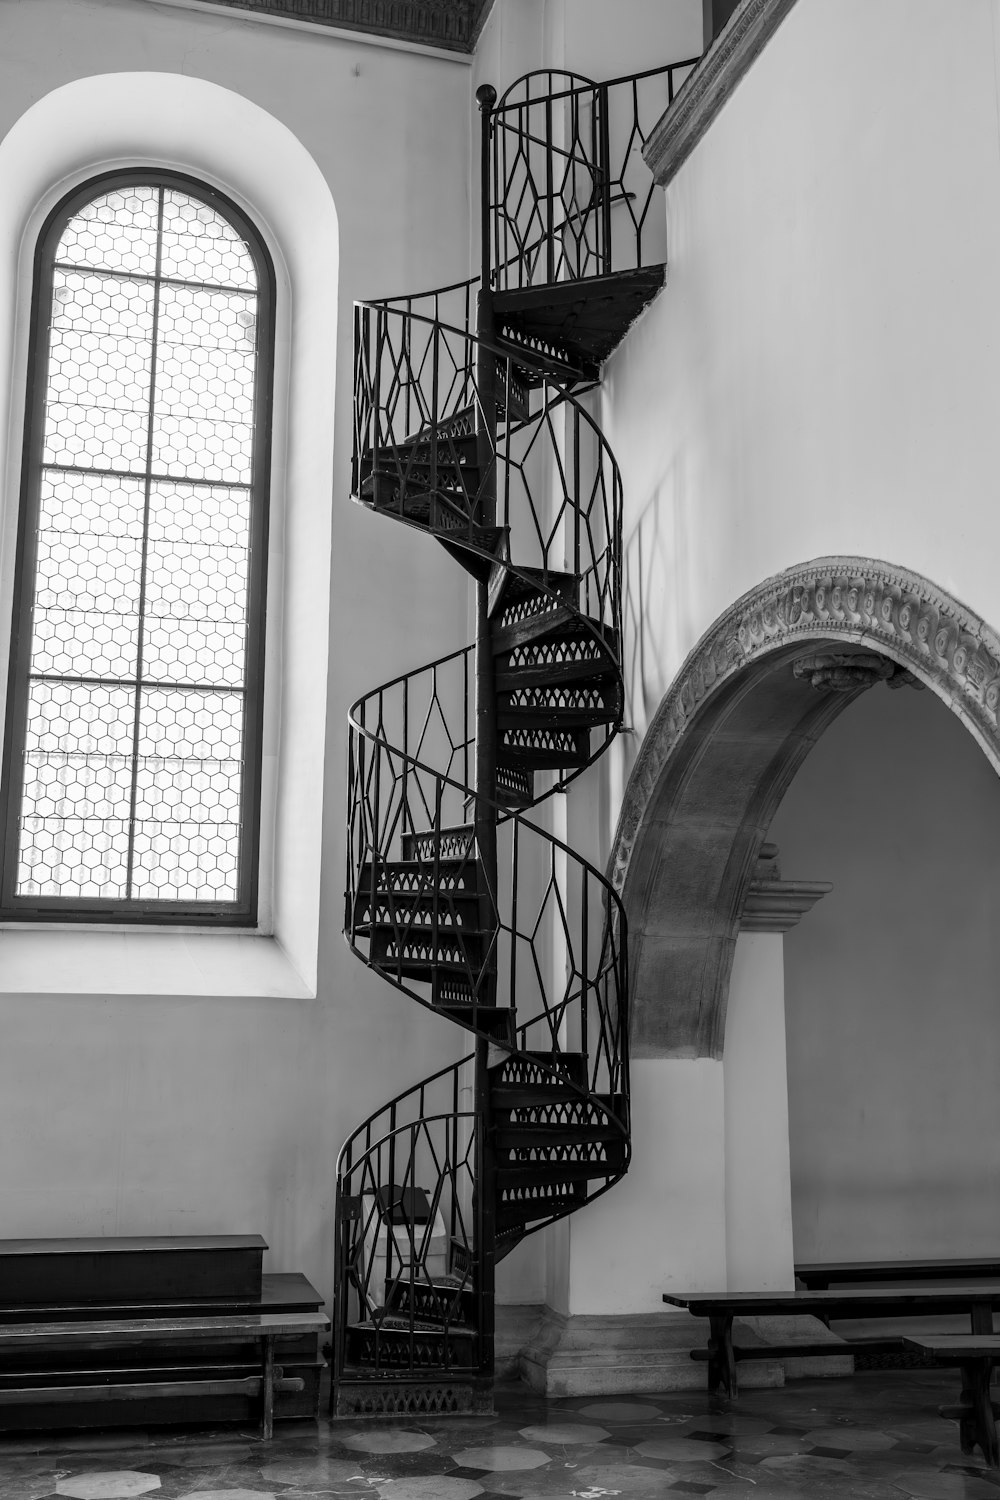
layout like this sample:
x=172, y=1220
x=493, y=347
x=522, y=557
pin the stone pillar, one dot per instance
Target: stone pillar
x=759, y=1251
x=758, y=1181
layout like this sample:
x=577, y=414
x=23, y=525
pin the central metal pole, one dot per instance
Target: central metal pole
x=486, y=757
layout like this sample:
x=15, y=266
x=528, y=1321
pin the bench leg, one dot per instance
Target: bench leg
x=721, y=1360
x=977, y=1423
x=267, y=1416
x=981, y=1317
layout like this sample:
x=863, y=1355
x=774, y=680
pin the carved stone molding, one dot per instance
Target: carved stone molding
x=725, y=745
x=888, y=610
x=776, y=905
x=842, y=671
x=452, y=24
x=704, y=93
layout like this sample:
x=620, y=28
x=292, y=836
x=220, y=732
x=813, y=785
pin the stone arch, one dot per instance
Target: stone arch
x=727, y=740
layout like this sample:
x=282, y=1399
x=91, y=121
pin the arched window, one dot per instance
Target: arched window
x=132, y=749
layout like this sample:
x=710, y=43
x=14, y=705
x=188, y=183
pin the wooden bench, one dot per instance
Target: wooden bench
x=819, y=1276
x=96, y=1333
x=976, y=1355
x=720, y=1308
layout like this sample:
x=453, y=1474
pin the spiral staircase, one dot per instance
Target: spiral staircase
x=474, y=424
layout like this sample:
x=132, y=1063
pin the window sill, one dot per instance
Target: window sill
x=91, y=961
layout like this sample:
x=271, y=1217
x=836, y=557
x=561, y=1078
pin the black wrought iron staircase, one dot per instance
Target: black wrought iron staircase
x=472, y=424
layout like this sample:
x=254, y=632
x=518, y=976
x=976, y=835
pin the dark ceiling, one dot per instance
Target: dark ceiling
x=454, y=24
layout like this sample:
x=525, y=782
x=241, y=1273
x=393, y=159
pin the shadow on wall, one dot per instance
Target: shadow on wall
x=656, y=619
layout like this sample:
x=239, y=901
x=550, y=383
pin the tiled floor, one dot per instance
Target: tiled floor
x=873, y=1437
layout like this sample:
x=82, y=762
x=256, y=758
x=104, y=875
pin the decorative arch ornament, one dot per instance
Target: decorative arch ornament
x=725, y=744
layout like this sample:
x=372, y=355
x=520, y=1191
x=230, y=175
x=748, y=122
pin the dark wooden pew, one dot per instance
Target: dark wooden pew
x=720, y=1308
x=819, y=1276
x=136, y=1330
x=976, y=1355
x=98, y=1333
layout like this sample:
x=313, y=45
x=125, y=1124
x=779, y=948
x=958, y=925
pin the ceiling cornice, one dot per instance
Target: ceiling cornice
x=451, y=24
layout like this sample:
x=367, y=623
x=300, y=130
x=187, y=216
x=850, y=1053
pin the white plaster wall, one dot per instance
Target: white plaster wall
x=131, y=1113
x=820, y=375
x=663, y=1227
x=758, y=1187
x=890, y=984
x=589, y=37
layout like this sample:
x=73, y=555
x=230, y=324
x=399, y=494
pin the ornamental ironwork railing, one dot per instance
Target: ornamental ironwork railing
x=472, y=424
x=571, y=195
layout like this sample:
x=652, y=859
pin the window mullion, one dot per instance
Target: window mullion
x=141, y=624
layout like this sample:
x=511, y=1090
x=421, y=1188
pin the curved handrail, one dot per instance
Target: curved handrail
x=398, y=395
x=386, y=832
x=559, y=158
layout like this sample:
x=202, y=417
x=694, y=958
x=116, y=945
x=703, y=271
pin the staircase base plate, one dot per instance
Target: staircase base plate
x=440, y=1397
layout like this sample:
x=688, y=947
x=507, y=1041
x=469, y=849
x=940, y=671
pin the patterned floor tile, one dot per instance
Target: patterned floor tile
x=110, y=1484
x=312, y=1472
x=621, y=1411
x=229, y=1495
x=682, y=1449
x=852, y=1439
x=26, y=1486
x=382, y=1440
x=940, y=1486
x=501, y=1458
x=564, y=1432
x=431, y=1487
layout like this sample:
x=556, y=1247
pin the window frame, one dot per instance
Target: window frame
x=242, y=912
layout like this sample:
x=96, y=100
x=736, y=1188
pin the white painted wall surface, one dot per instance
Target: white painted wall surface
x=890, y=984
x=663, y=1227
x=758, y=1186
x=167, y=1113
x=819, y=375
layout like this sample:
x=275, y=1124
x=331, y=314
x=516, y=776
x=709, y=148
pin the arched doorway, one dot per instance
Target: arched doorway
x=707, y=1200
x=727, y=741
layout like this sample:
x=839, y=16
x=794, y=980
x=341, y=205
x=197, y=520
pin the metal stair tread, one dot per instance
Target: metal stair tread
x=538, y=1173
x=582, y=321
x=561, y=623
x=516, y=717
x=466, y=831
x=510, y=581
x=515, y=1136
x=511, y=1215
x=525, y=1095
x=529, y=758
x=509, y=679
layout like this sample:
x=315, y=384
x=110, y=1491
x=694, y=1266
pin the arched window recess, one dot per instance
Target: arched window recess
x=132, y=749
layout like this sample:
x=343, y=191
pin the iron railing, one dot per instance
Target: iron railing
x=406, y=1219
x=482, y=446
x=425, y=453
x=570, y=194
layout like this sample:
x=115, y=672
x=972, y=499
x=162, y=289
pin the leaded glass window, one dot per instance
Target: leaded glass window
x=132, y=757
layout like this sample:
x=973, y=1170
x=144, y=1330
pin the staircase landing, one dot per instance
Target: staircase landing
x=573, y=326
